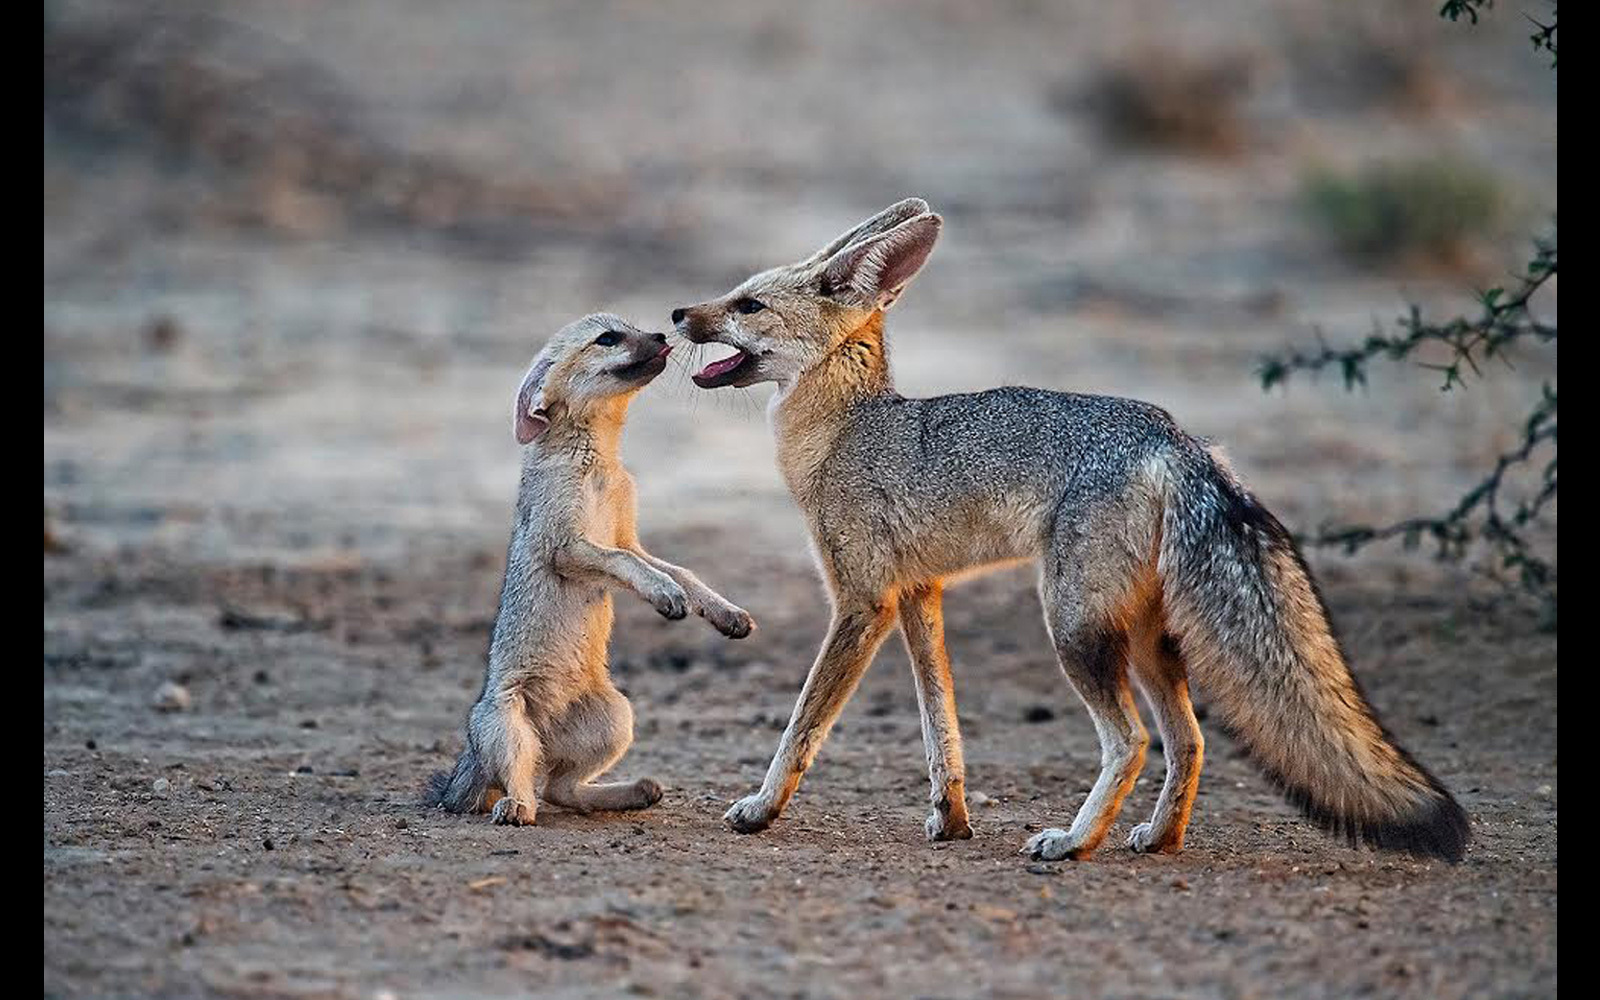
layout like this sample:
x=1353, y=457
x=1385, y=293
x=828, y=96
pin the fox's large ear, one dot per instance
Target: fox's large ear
x=530, y=419
x=871, y=273
x=884, y=221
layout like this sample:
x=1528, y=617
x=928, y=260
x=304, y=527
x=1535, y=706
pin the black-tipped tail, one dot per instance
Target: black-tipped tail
x=1437, y=827
x=1256, y=633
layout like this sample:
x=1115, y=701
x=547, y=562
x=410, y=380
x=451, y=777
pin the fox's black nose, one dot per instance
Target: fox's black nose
x=659, y=338
x=677, y=316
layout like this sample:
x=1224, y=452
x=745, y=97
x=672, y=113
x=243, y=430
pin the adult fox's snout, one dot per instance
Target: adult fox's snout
x=690, y=323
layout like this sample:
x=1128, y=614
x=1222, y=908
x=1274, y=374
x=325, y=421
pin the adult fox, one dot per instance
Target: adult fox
x=1152, y=553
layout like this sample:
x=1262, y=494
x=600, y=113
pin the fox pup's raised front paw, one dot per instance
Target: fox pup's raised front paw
x=733, y=622
x=669, y=600
x=751, y=814
x=511, y=812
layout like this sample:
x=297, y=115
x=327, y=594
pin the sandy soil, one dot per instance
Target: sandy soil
x=277, y=472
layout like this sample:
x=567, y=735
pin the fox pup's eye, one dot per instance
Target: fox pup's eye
x=608, y=338
x=748, y=306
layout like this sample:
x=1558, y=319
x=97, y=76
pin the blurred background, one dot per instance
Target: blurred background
x=297, y=255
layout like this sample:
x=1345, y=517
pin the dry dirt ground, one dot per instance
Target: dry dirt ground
x=296, y=258
x=286, y=853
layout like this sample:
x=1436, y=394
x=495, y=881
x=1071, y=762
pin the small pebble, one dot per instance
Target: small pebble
x=1543, y=791
x=171, y=697
x=1041, y=870
x=1039, y=713
x=161, y=786
x=980, y=799
x=401, y=823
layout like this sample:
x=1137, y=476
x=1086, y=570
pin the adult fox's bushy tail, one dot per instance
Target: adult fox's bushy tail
x=1256, y=635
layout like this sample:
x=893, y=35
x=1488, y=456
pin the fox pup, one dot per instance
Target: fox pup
x=548, y=713
x=1154, y=561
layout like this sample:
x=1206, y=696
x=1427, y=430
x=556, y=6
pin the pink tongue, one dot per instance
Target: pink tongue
x=716, y=368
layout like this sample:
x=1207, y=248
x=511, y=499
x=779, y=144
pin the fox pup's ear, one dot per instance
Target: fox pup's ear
x=885, y=220
x=872, y=273
x=530, y=419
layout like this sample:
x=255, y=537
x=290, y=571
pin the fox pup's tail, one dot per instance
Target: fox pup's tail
x=465, y=789
x=1255, y=632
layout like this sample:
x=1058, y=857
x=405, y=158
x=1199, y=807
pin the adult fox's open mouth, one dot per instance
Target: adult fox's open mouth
x=725, y=372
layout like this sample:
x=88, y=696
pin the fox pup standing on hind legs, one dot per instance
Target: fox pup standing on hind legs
x=548, y=713
x=1154, y=561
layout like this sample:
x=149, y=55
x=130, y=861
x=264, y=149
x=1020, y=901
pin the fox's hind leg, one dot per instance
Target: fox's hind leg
x=505, y=735
x=1162, y=676
x=922, y=623
x=589, y=738
x=1084, y=611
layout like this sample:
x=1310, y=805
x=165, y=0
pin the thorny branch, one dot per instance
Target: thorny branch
x=1543, y=37
x=1481, y=515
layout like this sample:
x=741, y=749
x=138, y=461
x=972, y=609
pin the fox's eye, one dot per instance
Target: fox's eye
x=748, y=306
x=608, y=338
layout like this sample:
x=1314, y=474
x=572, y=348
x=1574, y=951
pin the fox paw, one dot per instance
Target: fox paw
x=1054, y=845
x=1143, y=840
x=650, y=792
x=751, y=814
x=671, y=602
x=511, y=812
x=942, y=827
x=733, y=622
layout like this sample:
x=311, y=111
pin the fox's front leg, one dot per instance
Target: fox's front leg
x=922, y=624
x=858, y=628
x=725, y=616
x=581, y=557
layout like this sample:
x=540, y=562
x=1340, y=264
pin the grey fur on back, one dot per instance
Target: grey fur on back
x=1056, y=448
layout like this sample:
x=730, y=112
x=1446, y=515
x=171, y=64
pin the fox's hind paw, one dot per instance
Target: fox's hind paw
x=941, y=827
x=650, y=792
x=1143, y=840
x=511, y=812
